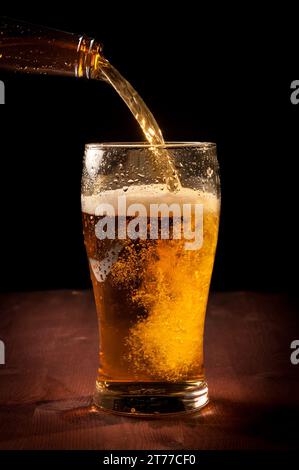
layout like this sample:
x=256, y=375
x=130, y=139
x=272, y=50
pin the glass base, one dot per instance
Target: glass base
x=150, y=398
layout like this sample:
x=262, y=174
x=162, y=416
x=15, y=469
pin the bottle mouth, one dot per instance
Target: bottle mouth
x=142, y=145
x=89, y=54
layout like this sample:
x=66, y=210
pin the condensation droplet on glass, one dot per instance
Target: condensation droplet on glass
x=209, y=172
x=125, y=188
x=130, y=181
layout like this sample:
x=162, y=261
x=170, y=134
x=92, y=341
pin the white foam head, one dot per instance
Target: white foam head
x=150, y=194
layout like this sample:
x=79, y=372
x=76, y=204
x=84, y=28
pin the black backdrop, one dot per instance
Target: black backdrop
x=224, y=79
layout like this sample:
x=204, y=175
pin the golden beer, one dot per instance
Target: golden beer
x=151, y=297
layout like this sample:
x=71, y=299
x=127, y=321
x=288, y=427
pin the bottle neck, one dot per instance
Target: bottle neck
x=35, y=49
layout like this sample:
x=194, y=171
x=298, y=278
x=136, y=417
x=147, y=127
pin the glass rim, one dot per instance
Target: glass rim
x=142, y=145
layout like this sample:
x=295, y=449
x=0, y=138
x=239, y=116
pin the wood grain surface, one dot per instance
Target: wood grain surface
x=46, y=384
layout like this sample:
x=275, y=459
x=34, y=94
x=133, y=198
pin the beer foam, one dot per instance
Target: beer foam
x=150, y=194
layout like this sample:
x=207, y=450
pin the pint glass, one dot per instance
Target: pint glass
x=151, y=251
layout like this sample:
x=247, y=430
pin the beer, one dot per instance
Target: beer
x=150, y=290
x=151, y=251
x=150, y=295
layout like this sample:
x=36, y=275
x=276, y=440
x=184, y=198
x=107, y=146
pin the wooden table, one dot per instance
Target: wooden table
x=51, y=360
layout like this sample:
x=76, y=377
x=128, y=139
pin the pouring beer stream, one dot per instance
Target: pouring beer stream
x=34, y=49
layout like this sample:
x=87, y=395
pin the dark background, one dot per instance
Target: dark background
x=205, y=77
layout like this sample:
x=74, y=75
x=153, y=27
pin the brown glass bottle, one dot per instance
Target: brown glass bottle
x=36, y=49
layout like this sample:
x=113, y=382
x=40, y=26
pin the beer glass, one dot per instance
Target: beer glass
x=151, y=251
